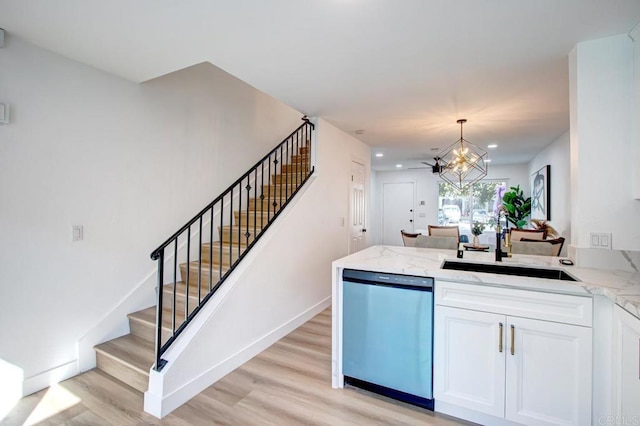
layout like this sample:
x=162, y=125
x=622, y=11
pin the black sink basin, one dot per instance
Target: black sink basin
x=522, y=271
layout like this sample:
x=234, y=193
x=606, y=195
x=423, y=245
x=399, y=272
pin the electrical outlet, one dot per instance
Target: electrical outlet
x=600, y=240
x=78, y=233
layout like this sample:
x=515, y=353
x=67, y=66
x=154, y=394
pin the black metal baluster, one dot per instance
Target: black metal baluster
x=239, y=218
x=255, y=200
x=211, y=251
x=199, y=261
x=308, y=136
x=159, y=310
x=298, y=180
x=220, y=236
x=281, y=160
x=247, y=234
x=275, y=165
x=186, y=293
x=285, y=175
x=175, y=284
x=231, y=229
x=262, y=196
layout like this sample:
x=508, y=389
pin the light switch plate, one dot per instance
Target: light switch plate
x=4, y=113
x=600, y=240
x=78, y=233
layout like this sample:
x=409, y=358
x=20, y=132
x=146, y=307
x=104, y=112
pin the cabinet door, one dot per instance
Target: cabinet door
x=626, y=366
x=548, y=373
x=468, y=366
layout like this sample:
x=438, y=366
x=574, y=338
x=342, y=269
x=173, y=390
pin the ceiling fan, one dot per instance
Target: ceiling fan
x=436, y=167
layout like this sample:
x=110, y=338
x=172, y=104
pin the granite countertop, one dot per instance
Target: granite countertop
x=621, y=287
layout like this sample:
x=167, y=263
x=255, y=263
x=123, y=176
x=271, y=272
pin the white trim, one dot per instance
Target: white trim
x=161, y=406
x=470, y=415
x=634, y=34
x=49, y=377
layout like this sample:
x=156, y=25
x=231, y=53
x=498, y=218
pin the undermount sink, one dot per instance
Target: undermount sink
x=522, y=271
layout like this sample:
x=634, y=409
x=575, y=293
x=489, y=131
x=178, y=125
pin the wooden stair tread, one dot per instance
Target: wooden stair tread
x=148, y=316
x=180, y=290
x=134, y=352
x=266, y=187
x=194, y=264
x=235, y=227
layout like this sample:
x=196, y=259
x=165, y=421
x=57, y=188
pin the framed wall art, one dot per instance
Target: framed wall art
x=541, y=194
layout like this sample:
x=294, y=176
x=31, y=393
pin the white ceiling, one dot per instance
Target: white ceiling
x=402, y=70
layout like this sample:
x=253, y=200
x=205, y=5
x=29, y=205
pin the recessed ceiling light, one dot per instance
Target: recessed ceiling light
x=398, y=165
x=379, y=154
x=488, y=160
x=493, y=145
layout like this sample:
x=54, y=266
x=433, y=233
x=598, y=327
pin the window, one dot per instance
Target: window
x=463, y=208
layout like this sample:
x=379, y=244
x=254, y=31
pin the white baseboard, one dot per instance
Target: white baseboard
x=470, y=415
x=50, y=377
x=161, y=406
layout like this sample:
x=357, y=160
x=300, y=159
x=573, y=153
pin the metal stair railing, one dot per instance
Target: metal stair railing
x=249, y=230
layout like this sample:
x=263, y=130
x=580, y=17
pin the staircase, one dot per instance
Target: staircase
x=130, y=357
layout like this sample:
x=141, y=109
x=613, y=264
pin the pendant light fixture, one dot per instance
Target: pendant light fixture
x=464, y=163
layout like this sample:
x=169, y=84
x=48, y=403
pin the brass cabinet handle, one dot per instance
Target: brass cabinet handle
x=500, y=344
x=513, y=340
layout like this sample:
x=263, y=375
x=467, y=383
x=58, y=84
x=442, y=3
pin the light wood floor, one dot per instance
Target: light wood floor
x=287, y=384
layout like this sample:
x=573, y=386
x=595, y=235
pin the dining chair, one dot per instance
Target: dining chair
x=530, y=234
x=444, y=231
x=408, y=239
x=555, y=244
x=446, y=243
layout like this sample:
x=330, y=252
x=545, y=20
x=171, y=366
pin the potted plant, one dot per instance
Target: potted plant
x=476, y=230
x=518, y=207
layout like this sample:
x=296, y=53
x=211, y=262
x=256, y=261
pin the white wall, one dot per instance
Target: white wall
x=557, y=156
x=131, y=163
x=426, y=189
x=602, y=114
x=289, y=277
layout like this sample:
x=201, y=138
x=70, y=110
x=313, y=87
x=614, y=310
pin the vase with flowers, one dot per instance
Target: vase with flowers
x=476, y=230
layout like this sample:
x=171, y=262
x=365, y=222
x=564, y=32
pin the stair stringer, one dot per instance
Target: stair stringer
x=210, y=347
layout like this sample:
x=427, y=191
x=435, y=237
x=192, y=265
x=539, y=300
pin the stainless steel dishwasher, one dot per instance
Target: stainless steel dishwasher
x=388, y=334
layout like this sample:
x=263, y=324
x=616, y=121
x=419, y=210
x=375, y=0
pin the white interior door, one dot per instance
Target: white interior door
x=397, y=211
x=357, y=208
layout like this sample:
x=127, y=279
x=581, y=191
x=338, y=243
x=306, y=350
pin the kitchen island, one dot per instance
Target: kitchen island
x=580, y=312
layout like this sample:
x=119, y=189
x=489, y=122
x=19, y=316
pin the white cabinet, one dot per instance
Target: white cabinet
x=548, y=373
x=626, y=367
x=526, y=370
x=468, y=364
